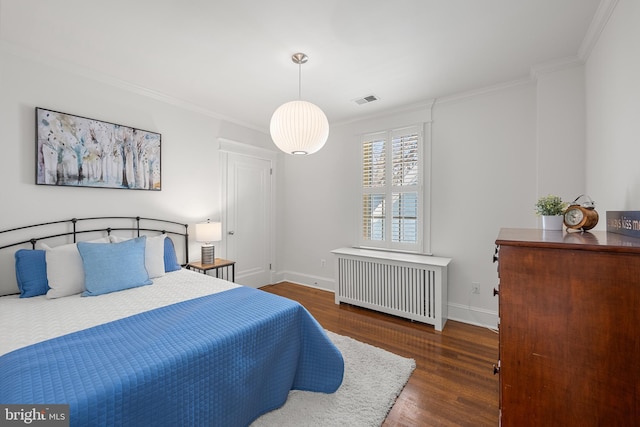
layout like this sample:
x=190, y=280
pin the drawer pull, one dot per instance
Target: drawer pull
x=496, y=369
x=496, y=292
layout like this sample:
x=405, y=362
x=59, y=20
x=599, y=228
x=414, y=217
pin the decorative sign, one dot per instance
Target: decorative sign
x=624, y=222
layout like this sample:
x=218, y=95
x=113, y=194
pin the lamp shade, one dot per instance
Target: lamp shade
x=299, y=127
x=209, y=232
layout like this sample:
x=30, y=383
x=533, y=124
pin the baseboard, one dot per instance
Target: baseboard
x=461, y=313
x=473, y=315
x=324, y=283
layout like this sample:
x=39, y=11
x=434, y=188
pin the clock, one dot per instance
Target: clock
x=581, y=216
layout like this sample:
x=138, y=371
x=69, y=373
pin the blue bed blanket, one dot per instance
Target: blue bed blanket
x=219, y=360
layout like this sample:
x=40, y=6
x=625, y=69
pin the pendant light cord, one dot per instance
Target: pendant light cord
x=300, y=82
x=299, y=58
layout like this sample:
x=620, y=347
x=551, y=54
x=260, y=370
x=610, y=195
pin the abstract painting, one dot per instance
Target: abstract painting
x=81, y=152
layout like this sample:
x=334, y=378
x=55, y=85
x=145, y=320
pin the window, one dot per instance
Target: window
x=392, y=212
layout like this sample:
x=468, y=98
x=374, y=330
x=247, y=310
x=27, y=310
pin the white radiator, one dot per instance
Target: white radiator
x=406, y=285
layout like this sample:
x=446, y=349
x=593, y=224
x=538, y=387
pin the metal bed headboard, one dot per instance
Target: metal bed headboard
x=141, y=225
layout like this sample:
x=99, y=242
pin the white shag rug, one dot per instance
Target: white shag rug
x=373, y=379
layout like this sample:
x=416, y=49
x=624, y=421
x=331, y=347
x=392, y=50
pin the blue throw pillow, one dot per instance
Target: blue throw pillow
x=170, y=258
x=111, y=267
x=31, y=272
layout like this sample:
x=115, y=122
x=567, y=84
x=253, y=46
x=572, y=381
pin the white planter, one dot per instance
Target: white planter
x=554, y=222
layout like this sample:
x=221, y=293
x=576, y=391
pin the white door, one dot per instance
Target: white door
x=248, y=218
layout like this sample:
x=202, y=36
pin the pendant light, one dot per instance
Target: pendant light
x=299, y=127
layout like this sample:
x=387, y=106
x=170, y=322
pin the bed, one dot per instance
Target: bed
x=145, y=341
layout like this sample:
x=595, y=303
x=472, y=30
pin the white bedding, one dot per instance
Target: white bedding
x=27, y=321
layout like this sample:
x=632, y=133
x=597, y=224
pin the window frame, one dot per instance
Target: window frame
x=420, y=188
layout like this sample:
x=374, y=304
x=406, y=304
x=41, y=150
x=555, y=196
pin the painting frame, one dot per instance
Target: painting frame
x=78, y=151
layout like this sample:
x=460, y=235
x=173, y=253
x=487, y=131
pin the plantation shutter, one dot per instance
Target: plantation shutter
x=374, y=164
x=405, y=174
x=391, y=189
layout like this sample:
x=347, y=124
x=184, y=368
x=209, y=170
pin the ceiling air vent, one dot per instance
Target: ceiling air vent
x=366, y=99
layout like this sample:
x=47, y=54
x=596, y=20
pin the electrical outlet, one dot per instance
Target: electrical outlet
x=323, y=262
x=475, y=288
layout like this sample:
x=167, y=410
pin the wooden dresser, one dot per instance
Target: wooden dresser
x=569, y=308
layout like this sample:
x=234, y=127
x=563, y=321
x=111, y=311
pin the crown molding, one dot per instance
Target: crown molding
x=96, y=76
x=598, y=23
x=423, y=105
x=557, y=65
x=487, y=90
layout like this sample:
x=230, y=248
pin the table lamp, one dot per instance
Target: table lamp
x=208, y=232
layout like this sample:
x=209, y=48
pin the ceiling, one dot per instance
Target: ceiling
x=232, y=58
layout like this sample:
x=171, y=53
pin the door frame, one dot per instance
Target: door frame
x=226, y=146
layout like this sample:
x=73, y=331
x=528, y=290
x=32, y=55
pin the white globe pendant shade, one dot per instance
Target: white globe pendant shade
x=299, y=127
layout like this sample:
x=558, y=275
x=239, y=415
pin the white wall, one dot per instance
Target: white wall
x=494, y=152
x=318, y=192
x=190, y=169
x=560, y=109
x=484, y=178
x=613, y=113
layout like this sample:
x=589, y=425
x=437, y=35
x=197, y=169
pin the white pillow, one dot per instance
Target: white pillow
x=153, y=254
x=65, y=272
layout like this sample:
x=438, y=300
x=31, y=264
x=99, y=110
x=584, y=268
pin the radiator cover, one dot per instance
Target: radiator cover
x=406, y=285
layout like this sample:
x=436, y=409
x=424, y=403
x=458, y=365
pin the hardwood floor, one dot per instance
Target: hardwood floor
x=453, y=384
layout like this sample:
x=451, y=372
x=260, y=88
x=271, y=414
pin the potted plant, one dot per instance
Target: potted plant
x=551, y=208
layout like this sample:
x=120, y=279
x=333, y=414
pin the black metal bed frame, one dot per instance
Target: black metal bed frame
x=76, y=231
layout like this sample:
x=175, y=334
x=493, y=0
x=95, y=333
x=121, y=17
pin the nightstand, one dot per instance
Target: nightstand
x=218, y=264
